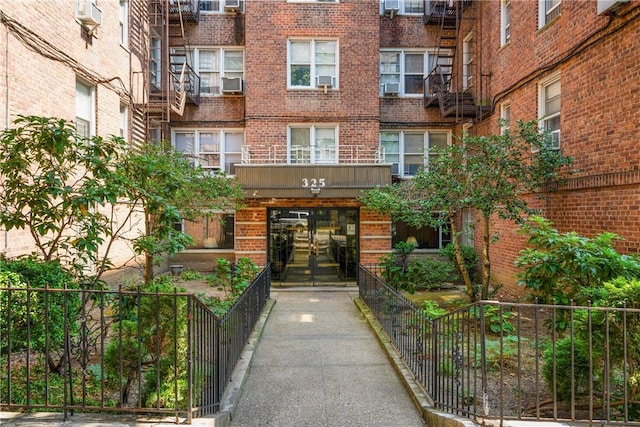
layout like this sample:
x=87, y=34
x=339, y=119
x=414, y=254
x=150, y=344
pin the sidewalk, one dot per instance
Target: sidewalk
x=318, y=364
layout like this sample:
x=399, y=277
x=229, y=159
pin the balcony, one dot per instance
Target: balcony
x=183, y=11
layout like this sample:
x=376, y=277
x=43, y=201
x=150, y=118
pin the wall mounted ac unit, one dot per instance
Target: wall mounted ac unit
x=325, y=81
x=608, y=6
x=88, y=13
x=231, y=85
x=391, y=88
x=232, y=5
x=391, y=5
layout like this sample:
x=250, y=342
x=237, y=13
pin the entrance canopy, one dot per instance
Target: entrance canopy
x=294, y=181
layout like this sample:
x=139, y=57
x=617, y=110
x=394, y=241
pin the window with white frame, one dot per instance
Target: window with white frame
x=505, y=22
x=214, y=149
x=505, y=116
x=155, y=62
x=312, y=64
x=467, y=60
x=218, y=6
x=548, y=10
x=124, y=121
x=85, y=109
x=212, y=65
x=549, y=108
x=468, y=227
x=124, y=22
x=409, y=151
x=406, y=69
x=421, y=238
x=404, y=7
x=312, y=144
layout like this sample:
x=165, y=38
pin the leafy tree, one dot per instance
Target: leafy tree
x=162, y=183
x=51, y=181
x=558, y=267
x=69, y=192
x=492, y=174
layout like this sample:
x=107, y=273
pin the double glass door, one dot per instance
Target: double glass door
x=313, y=246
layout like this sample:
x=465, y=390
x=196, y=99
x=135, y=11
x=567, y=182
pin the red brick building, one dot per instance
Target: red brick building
x=309, y=102
x=312, y=101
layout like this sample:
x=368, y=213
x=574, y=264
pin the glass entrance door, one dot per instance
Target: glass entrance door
x=313, y=246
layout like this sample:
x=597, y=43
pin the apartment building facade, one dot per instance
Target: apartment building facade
x=72, y=60
x=320, y=99
x=308, y=103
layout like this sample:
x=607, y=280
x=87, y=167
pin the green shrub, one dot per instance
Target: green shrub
x=568, y=366
x=469, y=255
x=46, y=312
x=428, y=272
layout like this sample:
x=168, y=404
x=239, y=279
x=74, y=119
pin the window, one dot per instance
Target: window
x=85, y=109
x=467, y=59
x=406, y=68
x=312, y=64
x=217, y=6
x=214, y=231
x=155, y=64
x=124, y=23
x=505, y=22
x=505, y=115
x=213, y=149
x=405, y=7
x=548, y=10
x=423, y=238
x=468, y=227
x=410, y=151
x=550, y=108
x=316, y=144
x=124, y=120
x=212, y=64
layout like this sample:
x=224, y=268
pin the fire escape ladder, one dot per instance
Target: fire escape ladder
x=177, y=82
x=442, y=84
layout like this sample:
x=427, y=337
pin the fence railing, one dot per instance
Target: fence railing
x=495, y=360
x=161, y=353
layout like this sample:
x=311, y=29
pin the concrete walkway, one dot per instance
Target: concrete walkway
x=317, y=363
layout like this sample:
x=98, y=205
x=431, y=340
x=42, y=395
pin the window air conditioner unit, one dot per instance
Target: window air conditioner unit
x=232, y=5
x=88, y=13
x=391, y=88
x=608, y=6
x=231, y=85
x=391, y=5
x=325, y=81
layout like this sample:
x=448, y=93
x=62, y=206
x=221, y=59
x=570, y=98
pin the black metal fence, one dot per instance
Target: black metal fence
x=495, y=361
x=161, y=353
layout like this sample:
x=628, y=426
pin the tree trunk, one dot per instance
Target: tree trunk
x=148, y=268
x=457, y=250
x=486, y=262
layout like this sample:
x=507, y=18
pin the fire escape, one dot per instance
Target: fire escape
x=171, y=82
x=446, y=86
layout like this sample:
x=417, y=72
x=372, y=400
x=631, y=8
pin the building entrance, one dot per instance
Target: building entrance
x=313, y=246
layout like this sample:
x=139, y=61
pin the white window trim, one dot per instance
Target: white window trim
x=124, y=23
x=194, y=54
x=401, y=146
x=196, y=148
x=504, y=107
x=92, y=106
x=505, y=22
x=429, y=57
x=221, y=9
x=541, y=105
x=312, y=132
x=402, y=9
x=313, y=65
x=124, y=121
x=543, y=13
x=467, y=59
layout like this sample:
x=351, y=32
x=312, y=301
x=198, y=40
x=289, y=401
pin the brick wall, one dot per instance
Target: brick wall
x=34, y=84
